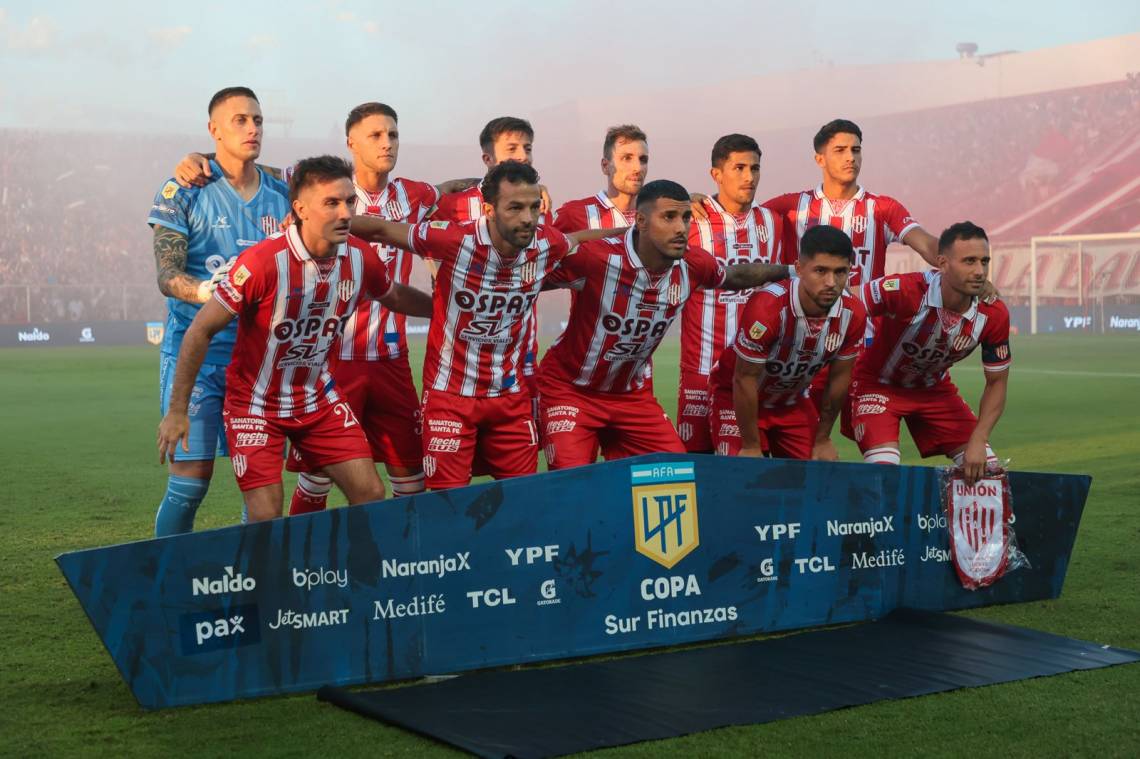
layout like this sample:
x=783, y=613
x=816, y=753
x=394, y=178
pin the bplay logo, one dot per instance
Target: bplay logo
x=232, y=627
x=312, y=578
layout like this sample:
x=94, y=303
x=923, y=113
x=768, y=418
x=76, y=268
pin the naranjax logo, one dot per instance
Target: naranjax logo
x=437, y=567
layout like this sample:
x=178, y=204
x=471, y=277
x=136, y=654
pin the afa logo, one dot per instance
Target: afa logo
x=665, y=511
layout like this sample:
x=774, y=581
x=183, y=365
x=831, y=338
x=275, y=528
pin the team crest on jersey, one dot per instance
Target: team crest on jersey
x=345, y=290
x=270, y=225
x=528, y=271
x=757, y=330
x=890, y=285
x=673, y=295
x=762, y=234
x=962, y=342
x=241, y=275
x=858, y=224
x=169, y=190
x=395, y=210
x=429, y=466
x=665, y=511
x=240, y=464
x=832, y=341
x=1002, y=352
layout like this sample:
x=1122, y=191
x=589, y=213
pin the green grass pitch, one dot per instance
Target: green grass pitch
x=77, y=446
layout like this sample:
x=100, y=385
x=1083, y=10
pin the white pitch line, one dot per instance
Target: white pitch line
x=1076, y=373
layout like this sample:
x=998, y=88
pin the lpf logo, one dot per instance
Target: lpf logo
x=665, y=511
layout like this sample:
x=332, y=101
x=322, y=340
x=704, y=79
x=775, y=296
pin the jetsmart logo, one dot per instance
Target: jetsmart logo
x=868, y=527
x=436, y=567
x=35, y=336
x=228, y=583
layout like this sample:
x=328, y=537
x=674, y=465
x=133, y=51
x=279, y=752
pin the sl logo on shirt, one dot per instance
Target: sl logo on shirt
x=665, y=511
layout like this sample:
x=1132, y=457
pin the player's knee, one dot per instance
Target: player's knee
x=882, y=455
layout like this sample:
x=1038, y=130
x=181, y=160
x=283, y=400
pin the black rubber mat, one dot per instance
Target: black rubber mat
x=578, y=707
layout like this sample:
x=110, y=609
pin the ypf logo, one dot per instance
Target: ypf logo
x=665, y=511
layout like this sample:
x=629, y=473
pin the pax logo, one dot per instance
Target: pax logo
x=214, y=630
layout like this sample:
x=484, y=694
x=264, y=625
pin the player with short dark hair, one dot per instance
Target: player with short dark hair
x=734, y=230
x=370, y=365
x=506, y=138
x=197, y=234
x=788, y=332
x=291, y=295
x=924, y=325
x=628, y=290
x=476, y=405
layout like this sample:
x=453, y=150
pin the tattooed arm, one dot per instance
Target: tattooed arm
x=170, y=260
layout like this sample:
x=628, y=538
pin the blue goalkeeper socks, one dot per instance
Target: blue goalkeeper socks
x=176, y=512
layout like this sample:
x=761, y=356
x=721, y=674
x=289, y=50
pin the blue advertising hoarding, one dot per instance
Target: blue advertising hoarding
x=645, y=552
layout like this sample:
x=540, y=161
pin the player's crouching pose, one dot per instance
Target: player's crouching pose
x=291, y=295
x=592, y=382
x=924, y=325
x=788, y=332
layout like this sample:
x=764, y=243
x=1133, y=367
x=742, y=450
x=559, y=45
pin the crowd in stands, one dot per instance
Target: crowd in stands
x=74, y=245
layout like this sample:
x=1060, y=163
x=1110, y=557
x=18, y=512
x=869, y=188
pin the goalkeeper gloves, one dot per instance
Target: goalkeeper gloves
x=206, y=287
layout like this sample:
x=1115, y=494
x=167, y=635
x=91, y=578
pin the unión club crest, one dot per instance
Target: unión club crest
x=665, y=511
x=979, y=530
x=832, y=341
x=344, y=289
x=962, y=342
x=858, y=224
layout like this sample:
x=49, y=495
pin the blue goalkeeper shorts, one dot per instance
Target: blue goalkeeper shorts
x=207, y=435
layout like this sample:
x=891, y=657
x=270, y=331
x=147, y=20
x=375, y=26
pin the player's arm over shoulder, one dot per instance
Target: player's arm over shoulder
x=893, y=294
x=170, y=255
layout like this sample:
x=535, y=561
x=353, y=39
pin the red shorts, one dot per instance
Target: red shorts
x=321, y=438
x=693, y=411
x=459, y=430
x=786, y=432
x=937, y=417
x=576, y=422
x=383, y=397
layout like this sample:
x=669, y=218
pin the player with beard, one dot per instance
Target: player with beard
x=734, y=231
x=924, y=325
x=506, y=138
x=291, y=296
x=788, y=332
x=592, y=387
x=625, y=163
x=490, y=271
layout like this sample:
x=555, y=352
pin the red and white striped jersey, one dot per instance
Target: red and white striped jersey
x=594, y=212
x=373, y=332
x=482, y=306
x=468, y=206
x=709, y=320
x=460, y=206
x=291, y=311
x=621, y=312
x=917, y=340
x=793, y=347
x=871, y=221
